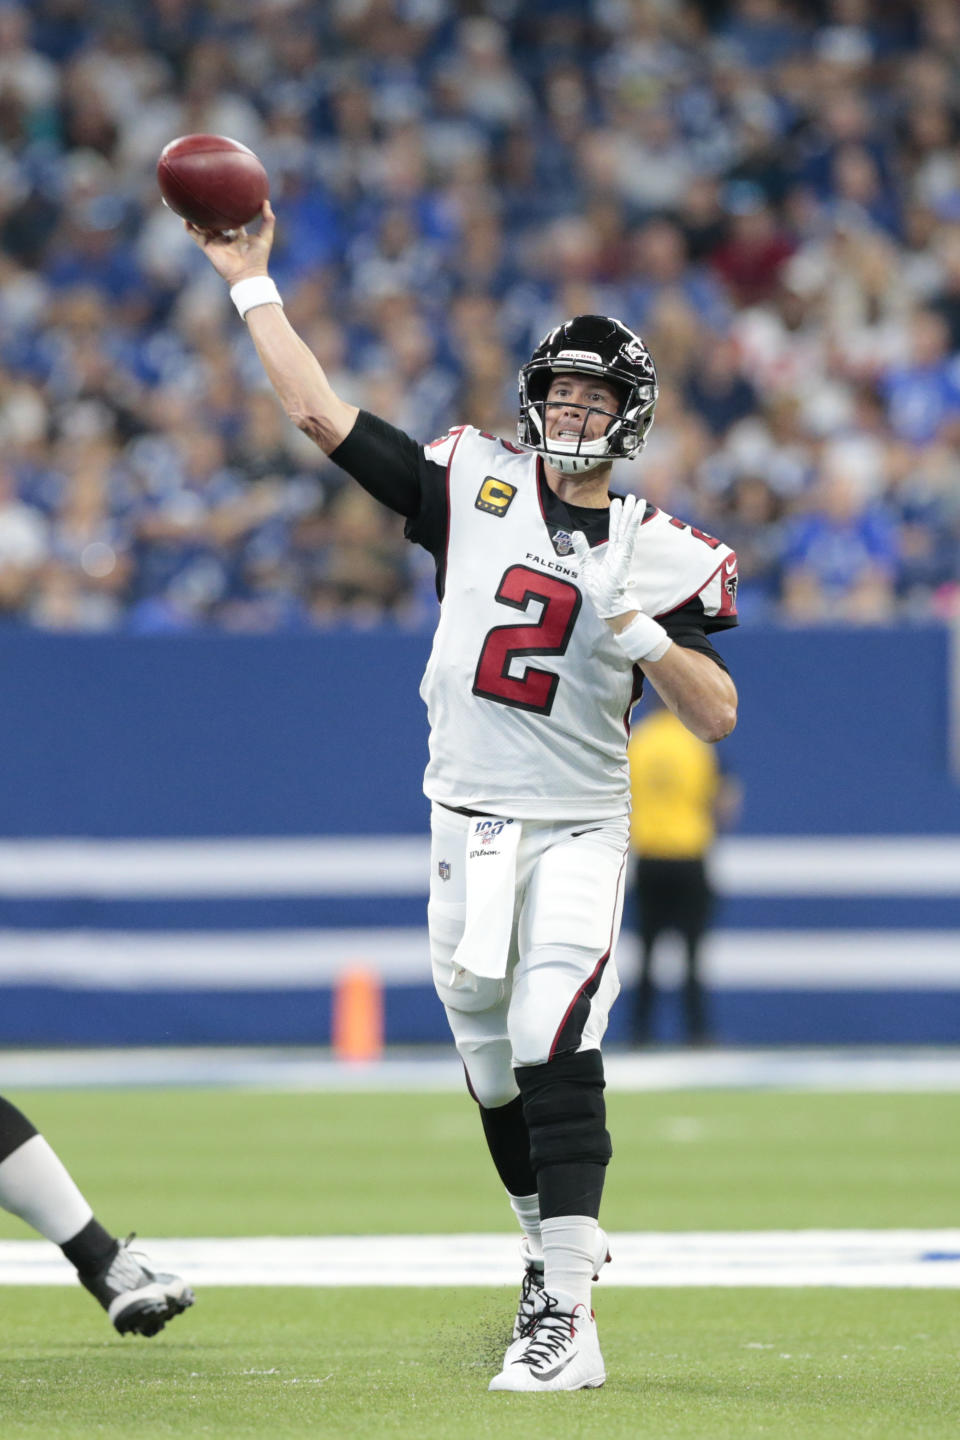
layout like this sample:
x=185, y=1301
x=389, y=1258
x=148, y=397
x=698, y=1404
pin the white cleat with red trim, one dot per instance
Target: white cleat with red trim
x=532, y=1287
x=561, y=1352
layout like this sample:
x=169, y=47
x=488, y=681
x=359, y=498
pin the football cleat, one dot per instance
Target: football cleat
x=532, y=1288
x=532, y=1285
x=137, y=1300
x=561, y=1352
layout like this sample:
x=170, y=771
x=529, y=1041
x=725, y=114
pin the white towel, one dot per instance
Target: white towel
x=491, y=860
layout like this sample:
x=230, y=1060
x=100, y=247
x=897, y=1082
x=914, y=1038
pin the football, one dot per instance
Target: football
x=212, y=181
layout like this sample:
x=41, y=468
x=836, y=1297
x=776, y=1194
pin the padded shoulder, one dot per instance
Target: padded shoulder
x=676, y=563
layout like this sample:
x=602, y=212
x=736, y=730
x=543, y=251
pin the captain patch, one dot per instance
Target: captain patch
x=494, y=496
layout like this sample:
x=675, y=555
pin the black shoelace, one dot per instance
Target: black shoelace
x=529, y=1290
x=551, y=1333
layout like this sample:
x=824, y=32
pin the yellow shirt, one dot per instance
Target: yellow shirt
x=674, y=779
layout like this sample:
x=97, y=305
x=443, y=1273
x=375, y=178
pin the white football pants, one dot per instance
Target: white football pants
x=561, y=976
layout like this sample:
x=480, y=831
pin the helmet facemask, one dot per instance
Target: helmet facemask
x=589, y=346
x=574, y=456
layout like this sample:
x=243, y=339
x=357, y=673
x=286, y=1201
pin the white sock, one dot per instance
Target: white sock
x=35, y=1184
x=569, y=1245
x=527, y=1210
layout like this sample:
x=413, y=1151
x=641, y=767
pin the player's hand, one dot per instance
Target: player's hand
x=237, y=255
x=605, y=572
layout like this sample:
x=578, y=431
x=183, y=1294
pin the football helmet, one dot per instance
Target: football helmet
x=589, y=345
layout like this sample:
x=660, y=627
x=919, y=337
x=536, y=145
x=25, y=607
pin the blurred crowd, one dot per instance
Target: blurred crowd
x=769, y=192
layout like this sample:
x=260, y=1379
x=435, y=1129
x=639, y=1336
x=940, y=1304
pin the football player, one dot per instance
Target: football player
x=556, y=600
x=35, y=1186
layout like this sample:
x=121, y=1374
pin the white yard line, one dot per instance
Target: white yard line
x=898, y=1259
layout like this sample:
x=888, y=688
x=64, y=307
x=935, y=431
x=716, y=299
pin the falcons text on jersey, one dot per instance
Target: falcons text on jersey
x=528, y=694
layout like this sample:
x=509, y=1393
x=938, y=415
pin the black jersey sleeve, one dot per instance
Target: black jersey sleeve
x=689, y=627
x=394, y=469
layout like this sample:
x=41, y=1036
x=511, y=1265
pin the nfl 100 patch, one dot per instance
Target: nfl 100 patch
x=443, y=869
x=562, y=541
x=494, y=496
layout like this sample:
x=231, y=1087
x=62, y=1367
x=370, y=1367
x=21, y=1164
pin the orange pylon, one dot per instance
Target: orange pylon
x=358, y=1015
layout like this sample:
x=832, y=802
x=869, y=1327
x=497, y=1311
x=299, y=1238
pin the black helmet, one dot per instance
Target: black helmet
x=589, y=345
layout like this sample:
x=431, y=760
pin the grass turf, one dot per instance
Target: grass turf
x=808, y=1365
x=228, y=1162
x=794, y=1365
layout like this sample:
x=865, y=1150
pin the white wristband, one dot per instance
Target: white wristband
x=256, y=290
x=644, y=639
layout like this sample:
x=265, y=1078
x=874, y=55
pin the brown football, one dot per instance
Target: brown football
x=214, y=182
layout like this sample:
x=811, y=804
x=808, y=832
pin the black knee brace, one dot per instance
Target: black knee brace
x=564, y=1109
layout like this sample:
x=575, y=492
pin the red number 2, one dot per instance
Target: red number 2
x=535, y=689
x=699, y=534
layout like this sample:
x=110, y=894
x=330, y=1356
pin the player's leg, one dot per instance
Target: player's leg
x=564, y=984
x=476, y=1010
x=484, y=1047
x=36, y=1186
x=566, y=1117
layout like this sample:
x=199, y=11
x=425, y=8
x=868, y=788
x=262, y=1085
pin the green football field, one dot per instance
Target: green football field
x=698, y=1362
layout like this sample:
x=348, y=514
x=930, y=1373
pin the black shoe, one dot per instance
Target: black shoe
x=136, y=1299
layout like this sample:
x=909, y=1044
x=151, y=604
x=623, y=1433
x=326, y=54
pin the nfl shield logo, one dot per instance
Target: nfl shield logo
x=443, y=869
x=562, y=542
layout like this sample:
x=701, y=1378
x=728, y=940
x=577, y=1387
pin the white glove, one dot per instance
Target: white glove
x=605, y=571
x=605, y=576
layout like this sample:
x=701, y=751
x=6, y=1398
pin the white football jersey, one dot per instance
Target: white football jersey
x=527, y=692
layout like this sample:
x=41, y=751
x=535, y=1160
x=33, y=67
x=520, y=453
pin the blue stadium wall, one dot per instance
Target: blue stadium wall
x=200, y=833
